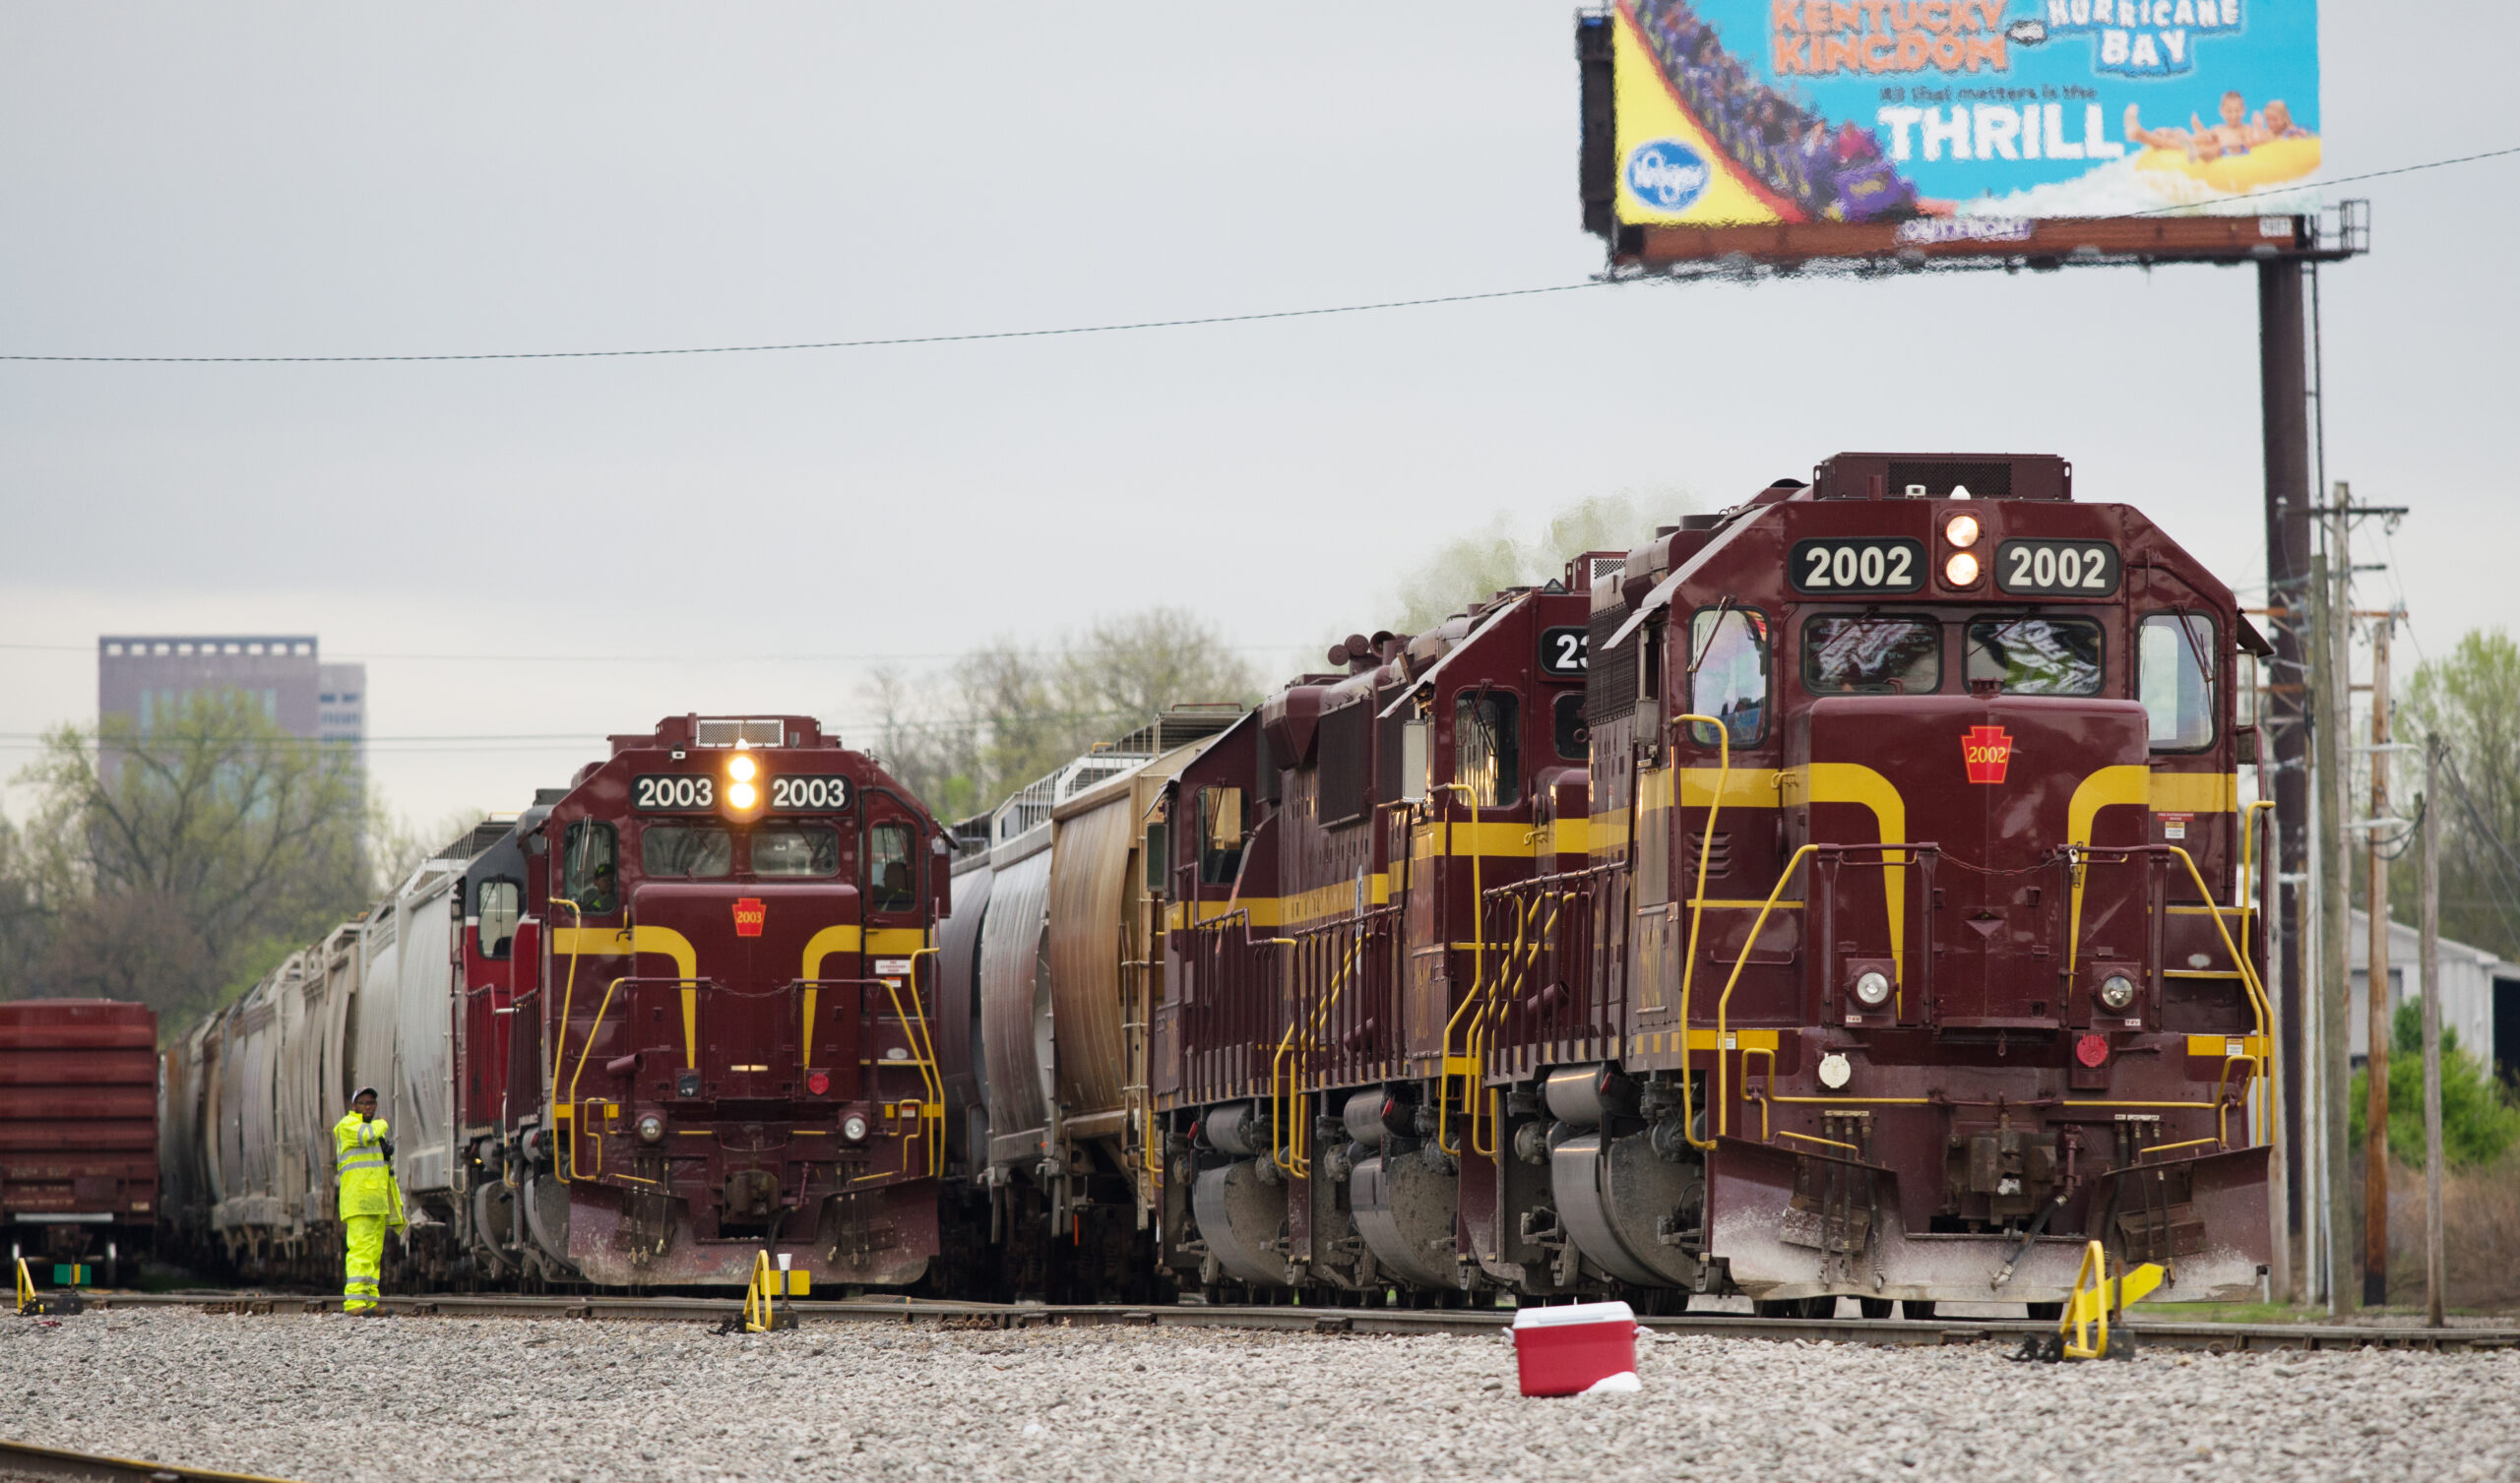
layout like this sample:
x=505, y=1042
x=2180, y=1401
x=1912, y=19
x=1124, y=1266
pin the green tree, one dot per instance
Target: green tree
x=2478, y=1120
x=177, y=866
x=2471, y=701
x=1468, y=568
x=1006, y=714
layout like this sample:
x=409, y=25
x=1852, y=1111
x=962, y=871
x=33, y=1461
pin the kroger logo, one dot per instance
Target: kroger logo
x=1666, y=173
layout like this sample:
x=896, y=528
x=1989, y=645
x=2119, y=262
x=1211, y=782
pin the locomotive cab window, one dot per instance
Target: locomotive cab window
x=496, y=905
x=795, y=849
x=892, y=882
x=1567, y=733
x=1220, y=836
x=2174, y=676
x=1487, y=752
x=1871, y=654
x=2034, y=655
x=590, y=869
x=698, y=851
x=1729, y=675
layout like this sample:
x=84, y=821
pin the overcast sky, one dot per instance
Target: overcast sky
x=744, y=532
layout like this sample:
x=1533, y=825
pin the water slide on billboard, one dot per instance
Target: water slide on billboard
x=1745, y=111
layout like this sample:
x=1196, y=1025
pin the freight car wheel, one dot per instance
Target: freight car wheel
x=1796, y=1308
x=2046, y=1313
x=1917, y=1312
x=1877, y=1308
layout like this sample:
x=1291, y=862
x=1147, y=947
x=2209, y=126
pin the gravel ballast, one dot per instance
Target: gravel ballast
x=430, y=1399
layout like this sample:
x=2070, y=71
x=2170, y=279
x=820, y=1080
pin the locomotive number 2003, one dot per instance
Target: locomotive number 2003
x=1858, y=566
x=2056, y=568
x=808, y=794
x=673, y=792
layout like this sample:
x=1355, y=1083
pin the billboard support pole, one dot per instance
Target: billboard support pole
x=2283, y=391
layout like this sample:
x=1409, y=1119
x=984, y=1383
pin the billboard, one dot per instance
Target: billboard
x=1962, y=119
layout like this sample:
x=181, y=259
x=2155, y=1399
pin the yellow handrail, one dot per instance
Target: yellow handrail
x=1697, y=905
x=1478, y=974
x=581, y=1070
x=561, y=1038
x=1293, y=1139
x=933, y=1108
x=1723, y=1004
x=2239, y=960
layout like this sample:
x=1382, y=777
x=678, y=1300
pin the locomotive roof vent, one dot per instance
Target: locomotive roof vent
x=1944, y=477
x=726, y=732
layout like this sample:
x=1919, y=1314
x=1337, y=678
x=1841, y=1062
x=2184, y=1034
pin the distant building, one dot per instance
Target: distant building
x=2479, y=992
x=145, y=679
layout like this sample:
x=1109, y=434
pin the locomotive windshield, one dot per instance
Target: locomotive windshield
x=2033, y=655
x=588, y=871
x=889, y=877
x=795, y=849
x=1872, y=655
x=682, y=849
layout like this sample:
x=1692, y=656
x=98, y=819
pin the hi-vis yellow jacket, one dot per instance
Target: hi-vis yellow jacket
x=367, y=1184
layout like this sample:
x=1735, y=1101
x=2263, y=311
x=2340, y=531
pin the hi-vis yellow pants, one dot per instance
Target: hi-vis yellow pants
x=364, y=1264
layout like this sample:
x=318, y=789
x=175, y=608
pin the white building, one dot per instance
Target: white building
x=2479, y=992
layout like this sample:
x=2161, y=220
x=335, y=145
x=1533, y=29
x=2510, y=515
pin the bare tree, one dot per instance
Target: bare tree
x=218, y=843
x=1468, y=568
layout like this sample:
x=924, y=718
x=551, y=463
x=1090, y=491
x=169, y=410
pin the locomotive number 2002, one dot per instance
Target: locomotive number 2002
x=2056, y=568
x=1858, y=566
x=808, y=794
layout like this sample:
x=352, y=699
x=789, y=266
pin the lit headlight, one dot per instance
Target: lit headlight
x=1961, y=531
x=740, y=767
x=1961, y=570
x=650, y=1127
x=742, y=795
x=1873, y=988
x=853, y=1128
x=2116, y=991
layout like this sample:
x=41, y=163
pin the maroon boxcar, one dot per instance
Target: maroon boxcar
x=78, y=1128
x=1891, y=934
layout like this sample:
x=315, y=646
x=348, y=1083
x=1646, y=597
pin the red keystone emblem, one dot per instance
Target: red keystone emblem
x=751, y=913
x=1988, y=750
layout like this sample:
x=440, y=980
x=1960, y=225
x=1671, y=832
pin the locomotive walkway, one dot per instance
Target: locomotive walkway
x=2151, y=1333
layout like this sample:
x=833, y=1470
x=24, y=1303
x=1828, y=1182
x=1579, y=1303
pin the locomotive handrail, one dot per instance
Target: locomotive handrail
x=1697, y=905
x=559, y=1042
x=933, y=1107
x=1477, y=972
x=560, y=1045
x=1291, y=1151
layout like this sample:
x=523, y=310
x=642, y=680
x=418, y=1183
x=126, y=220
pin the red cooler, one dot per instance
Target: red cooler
x=1569, y=1349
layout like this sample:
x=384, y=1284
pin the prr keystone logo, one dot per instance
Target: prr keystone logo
x=751, y=913
x=1987, y=752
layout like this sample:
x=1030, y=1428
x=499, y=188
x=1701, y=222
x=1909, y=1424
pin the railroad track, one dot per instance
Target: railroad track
x=24, y=1460
x=2151, y=1333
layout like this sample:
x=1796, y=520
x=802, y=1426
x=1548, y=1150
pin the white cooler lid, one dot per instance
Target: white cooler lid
x=1573, y=1313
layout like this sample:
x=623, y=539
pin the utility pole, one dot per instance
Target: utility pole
x=2328, y=686
x=2376, y=1061
x=2436, y=1263
x=2284, y=725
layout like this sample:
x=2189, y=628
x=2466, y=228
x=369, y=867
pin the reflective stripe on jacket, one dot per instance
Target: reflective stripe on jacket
x=359, y=1156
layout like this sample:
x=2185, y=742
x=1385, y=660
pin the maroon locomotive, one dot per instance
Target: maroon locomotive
x=1843, y=895
x=671, y=1017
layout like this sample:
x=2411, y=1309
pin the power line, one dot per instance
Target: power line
x=715, y=658
x=1117, y=328
x=848, y=344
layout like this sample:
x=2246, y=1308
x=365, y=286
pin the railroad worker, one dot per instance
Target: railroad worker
x=368, y=1201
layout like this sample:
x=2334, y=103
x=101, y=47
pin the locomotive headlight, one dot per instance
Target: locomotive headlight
x=740, y=769
x=742, y=795
x=1873, y=988
x=853, y=1127
x=1961, y=531
x=1961, y=570
x=2116, y=991
x=650, y=1127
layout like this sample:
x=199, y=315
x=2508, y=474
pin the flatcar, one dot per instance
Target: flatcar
x=672, y=1015
x=1844, y=895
